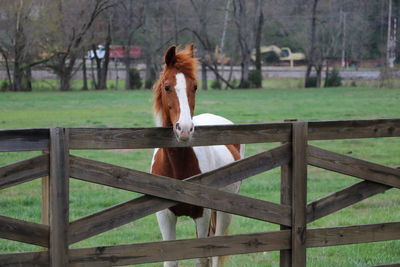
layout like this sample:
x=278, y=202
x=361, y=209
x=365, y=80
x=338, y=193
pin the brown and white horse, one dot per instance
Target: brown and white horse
x=174, y=102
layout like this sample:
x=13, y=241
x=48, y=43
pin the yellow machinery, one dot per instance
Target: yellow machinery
x=284, y=54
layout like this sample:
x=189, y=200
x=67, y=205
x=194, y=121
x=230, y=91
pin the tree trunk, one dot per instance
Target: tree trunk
x=104, y=67
x=64, y=71
x=311, y=59
x=244, y=80
x=259, y=21
x=84, y=70
x=244, y=41
x=65, y=82
x=17, y=77
x=318, y=70
x=7, y=64
x=127, y=63
x=204, y=84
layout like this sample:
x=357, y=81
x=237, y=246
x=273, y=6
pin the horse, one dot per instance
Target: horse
x=174, y=103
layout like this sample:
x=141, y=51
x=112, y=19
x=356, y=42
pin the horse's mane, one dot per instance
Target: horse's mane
x=186, y=63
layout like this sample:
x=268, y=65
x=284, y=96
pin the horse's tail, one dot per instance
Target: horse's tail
x=242, y=148
x=213, y=224
x=211, y=232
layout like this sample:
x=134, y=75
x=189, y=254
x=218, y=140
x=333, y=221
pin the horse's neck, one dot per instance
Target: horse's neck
x=180, y=163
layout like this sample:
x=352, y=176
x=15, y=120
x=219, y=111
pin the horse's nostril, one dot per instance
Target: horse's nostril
x=178, y=127
x=191, y=129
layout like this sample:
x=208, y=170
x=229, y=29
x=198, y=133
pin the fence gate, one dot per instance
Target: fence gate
x=293, y=214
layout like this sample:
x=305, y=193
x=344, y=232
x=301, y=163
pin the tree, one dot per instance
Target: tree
x=18, y=45
x=129, y=19
x=249, y=32
x=71, y=21
x=258, y=25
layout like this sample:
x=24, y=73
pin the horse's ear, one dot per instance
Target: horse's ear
x=170, y=56
x=191, y=49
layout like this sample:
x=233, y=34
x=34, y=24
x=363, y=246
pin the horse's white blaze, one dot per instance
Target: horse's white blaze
x=158, y=119
x=185, y=119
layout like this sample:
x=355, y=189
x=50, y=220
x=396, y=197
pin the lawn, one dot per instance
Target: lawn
x=272, y=104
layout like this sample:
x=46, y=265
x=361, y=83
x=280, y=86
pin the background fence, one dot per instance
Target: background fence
x=293, y=213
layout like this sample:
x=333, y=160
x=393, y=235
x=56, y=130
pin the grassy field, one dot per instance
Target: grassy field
x=275, y=103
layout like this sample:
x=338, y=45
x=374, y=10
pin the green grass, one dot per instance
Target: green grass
x=274, y=103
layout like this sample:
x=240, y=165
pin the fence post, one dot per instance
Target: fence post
x=45, y=197
x=58, y=197
x=299, y=193
x=286, y=199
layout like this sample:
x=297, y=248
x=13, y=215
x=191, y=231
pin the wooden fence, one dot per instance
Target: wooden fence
x=293, y=213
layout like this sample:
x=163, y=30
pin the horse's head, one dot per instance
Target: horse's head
x=175, y=91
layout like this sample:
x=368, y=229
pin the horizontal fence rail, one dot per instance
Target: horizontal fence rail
x=293, y=214
x=128, y=138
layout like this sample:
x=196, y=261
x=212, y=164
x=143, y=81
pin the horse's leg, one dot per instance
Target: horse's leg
x=202, y=225
x=223, y=222
x=167, y=223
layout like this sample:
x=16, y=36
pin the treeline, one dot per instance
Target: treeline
x=57, y=34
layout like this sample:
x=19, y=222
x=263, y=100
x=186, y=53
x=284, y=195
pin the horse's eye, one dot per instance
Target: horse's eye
x=195, y=87
x=167, y=88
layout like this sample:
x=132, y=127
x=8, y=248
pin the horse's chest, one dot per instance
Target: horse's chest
x=178, y=164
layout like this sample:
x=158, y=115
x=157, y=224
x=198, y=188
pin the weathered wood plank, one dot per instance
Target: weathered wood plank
x=116, y=216
x=299, y=193
x=181, y=249
x=181, y=191
x=348, y=129
x=244, y=168
x=206, y=247
x=24, y=140
x=343, y=198
x=26, y=259
x=24, y=171
x=23, y=231
x=387, y=265
x=140, y=207
x=59, y=200
x=93, y=138
x=344, y=235
x=45, y=196
x=286, y=199
x=119, y=138
x=366, y=170
x=285, y=256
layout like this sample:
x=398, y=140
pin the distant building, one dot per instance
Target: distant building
x=117, y=52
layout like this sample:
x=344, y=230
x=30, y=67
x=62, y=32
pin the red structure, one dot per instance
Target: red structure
x=118, y=52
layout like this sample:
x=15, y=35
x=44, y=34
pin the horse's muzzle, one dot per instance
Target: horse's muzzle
x=183, y=133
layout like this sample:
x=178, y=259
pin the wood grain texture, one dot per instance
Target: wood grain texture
x=342, y=199
x=120, y=138
x=299, y=193
x=25, y=259
x=205, y=247
x=285, y=256
x=180, y=249
x=348, y=129
x=343, y=235
x=387, y=265
x=58, y=194
x=115, y=216
x=45, y=197
x=366, y=170
x=23, y=231
x=94, y=138
x=180, y=191
x=24, y=140
x=24, y=171
x=140, y=207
